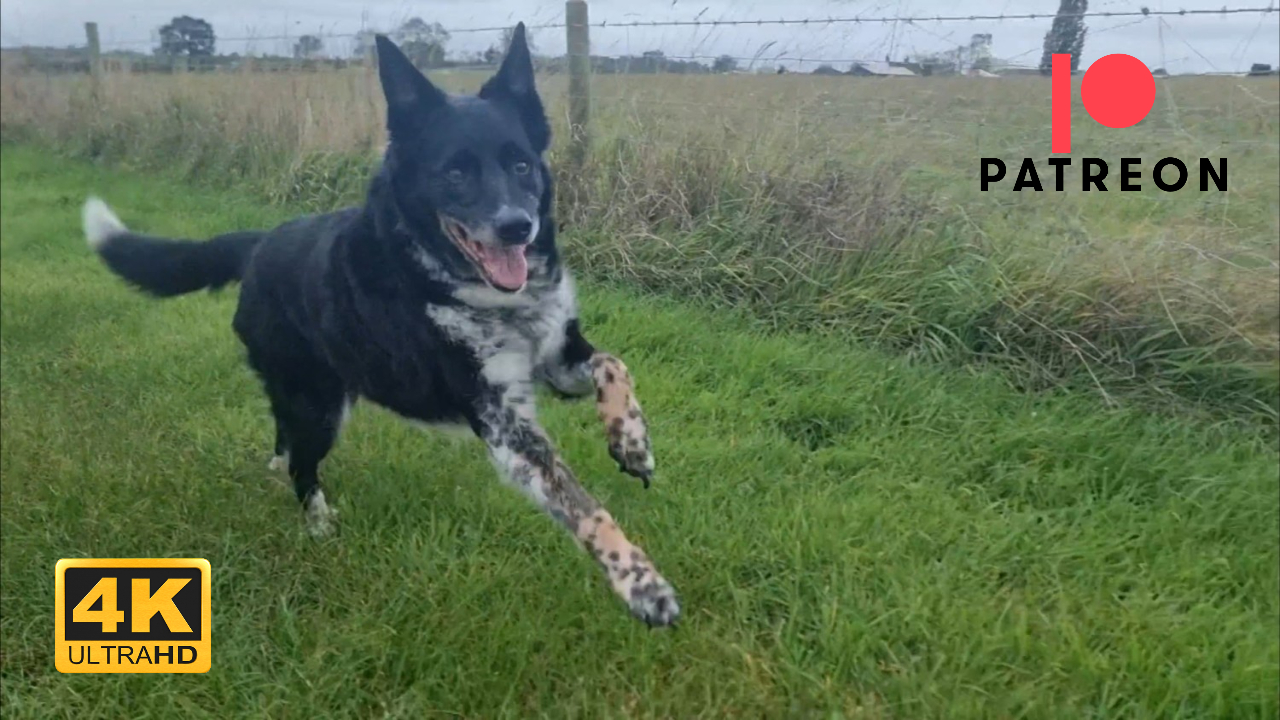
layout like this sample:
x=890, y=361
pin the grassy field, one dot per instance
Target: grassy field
x=855, y=535
x=845, y=206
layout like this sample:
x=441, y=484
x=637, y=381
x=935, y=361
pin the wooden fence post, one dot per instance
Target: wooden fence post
x=578, y=41
x=95, y=60
x=371, y=69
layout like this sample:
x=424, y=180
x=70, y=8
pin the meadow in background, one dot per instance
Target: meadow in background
x=850, y=205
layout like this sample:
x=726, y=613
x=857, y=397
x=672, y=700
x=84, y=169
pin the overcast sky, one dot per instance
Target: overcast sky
x=1182, y=44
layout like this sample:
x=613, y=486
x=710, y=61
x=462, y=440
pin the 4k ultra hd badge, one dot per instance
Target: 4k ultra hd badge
x=132, y=615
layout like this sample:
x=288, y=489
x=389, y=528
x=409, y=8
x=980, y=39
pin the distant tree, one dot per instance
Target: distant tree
x=423, y=42
x=1066, y=35
x=186, y=36
x=308, y=46
x=826, y=70
x=651, y=61
x=725, y=64
x=980, y=51
x=363, y=44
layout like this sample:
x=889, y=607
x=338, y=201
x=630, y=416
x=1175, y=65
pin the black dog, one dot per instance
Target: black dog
x=442, y=298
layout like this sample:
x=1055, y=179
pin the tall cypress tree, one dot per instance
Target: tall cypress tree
x=1066, y=35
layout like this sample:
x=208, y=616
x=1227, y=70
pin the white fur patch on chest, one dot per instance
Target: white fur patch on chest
x=504, y=353
x=509, y=334
x=560, y=307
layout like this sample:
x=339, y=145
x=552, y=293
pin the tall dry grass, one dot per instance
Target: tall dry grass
x=839, y=204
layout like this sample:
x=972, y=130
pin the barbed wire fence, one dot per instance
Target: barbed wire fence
x=907, y=23
x=1143, y=13
x=917, y=44
x=920, y=23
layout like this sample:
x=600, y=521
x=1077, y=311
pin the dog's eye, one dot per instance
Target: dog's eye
x=521, y=168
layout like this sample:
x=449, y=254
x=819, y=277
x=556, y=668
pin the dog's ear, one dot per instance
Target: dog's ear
x=513, y=85
x=410, y=95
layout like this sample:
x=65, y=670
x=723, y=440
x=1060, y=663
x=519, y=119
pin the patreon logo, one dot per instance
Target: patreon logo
x=1117, y=91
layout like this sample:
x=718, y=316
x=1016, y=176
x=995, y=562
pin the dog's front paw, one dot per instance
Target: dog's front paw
x=655, y=602
x=629, y=446
x=619, y=410
x=650, y=597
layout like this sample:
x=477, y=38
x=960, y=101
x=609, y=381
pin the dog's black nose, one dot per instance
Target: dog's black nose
x=515, y=231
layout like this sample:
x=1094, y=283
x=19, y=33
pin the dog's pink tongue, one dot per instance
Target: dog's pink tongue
x=507, y=267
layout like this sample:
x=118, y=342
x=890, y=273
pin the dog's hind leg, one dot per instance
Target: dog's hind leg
x=309, y=410
x=280, y=456
x=526, y=459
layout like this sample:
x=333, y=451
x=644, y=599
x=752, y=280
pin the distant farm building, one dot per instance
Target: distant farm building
x=879, y=69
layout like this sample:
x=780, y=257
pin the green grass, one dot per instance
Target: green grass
x=853, y=535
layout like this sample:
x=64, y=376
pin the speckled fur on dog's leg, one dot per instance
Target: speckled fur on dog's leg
x=527, y=461
x=631, y=573
x=619, y=410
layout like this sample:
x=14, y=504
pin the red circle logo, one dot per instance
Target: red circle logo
x=1118, y=90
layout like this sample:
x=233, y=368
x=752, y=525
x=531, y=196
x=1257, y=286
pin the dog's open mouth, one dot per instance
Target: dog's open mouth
x=503, y=267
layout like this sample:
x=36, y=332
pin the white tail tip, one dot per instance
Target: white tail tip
x=100, y=224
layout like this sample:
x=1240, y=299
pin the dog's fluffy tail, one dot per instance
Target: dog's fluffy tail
x=161, y=266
